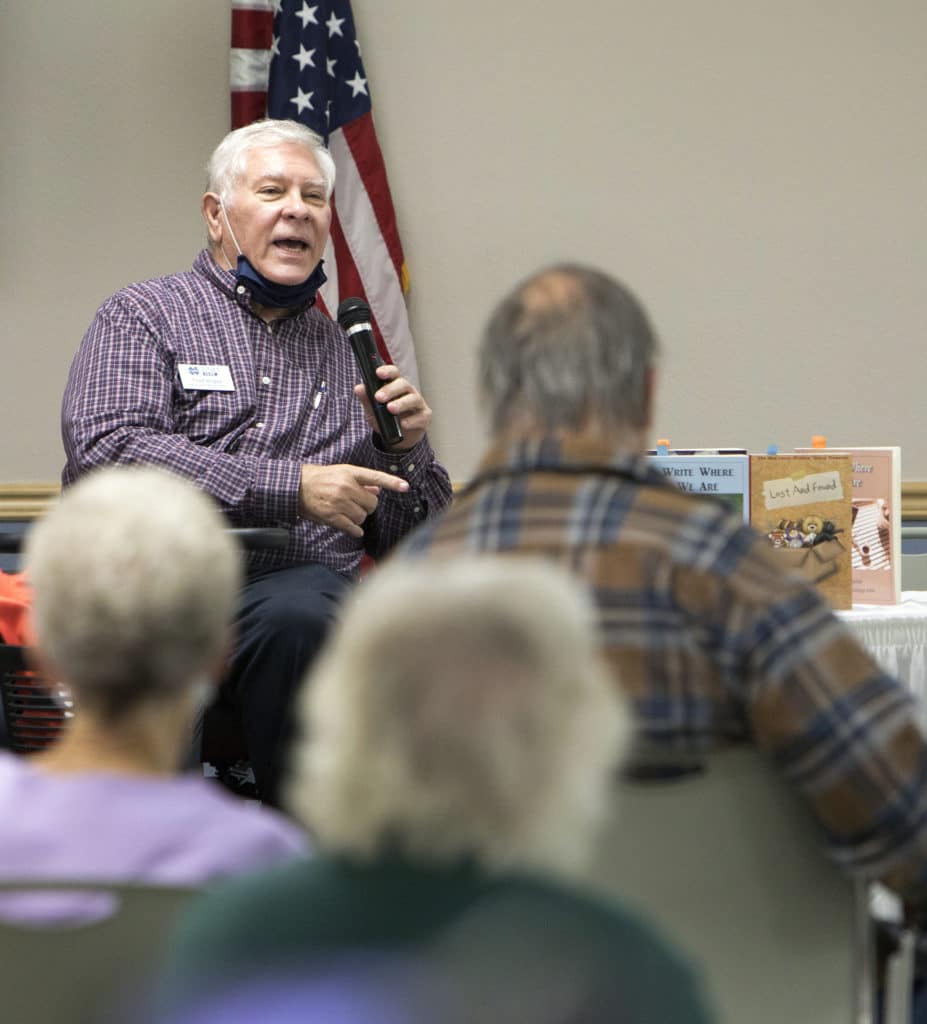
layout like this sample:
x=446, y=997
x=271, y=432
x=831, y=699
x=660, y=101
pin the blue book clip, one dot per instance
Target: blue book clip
x=662, y=448
x=772, y=449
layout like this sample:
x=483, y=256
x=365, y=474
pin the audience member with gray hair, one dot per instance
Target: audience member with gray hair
x=712, y=639
x=570, y=350
x=453, y=769
x=135, y=582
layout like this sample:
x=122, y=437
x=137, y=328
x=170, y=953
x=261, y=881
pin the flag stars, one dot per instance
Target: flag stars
x=307, y=14
x=275, y=46
x=303, y=100
x=330, y=63
x=304, y=57
x=358, y=84
x=334, y=26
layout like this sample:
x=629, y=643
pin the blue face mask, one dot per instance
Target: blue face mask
x=279, y=296
x=270, y=293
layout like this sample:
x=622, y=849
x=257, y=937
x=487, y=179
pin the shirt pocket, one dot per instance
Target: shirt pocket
x=213, y=418
x=332, y=426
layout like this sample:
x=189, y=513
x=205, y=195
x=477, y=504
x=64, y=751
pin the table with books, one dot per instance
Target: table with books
x=831, y=514
x=896, y=636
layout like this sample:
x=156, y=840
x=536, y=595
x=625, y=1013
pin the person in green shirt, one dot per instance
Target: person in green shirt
x=453, y=769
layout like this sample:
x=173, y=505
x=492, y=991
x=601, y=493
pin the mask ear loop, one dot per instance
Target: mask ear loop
x=232, y=233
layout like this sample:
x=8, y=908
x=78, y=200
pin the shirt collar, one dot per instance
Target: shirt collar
x=551, y=453
x=225, y=281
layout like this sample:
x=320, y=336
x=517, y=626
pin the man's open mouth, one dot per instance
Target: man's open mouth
x=292, y=244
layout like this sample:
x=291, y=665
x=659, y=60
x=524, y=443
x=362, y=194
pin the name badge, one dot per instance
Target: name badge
x=197, y=377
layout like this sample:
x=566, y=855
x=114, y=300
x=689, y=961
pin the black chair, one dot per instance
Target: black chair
x=36, y=710
x=10, y=542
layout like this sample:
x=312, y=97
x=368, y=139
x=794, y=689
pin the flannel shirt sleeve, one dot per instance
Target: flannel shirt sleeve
x=117, y=410
x=844, y=732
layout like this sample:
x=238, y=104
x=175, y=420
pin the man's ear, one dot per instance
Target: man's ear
x=211, y=208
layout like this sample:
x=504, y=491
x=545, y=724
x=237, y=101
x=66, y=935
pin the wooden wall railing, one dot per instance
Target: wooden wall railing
x=27, y=501
x=914, y=500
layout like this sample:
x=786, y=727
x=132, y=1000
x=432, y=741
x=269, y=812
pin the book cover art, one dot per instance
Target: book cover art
x=802, y=504
x=709, y=474
x=876, y=548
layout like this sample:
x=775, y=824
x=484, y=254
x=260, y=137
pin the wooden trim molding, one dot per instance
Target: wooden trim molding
x=914, y=499
x=28, y=501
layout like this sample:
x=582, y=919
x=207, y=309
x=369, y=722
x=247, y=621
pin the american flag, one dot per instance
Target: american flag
x=300, y=60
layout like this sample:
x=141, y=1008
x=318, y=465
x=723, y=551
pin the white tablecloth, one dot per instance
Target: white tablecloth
x=896, y=634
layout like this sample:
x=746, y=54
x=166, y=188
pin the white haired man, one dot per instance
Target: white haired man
x=711, y=639
x=229, y=375
x=135, y=582
x=453, y=764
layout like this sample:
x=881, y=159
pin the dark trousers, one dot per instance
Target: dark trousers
x=283, y=618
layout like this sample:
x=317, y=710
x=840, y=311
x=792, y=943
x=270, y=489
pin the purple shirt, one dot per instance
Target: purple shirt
x=178, y=830
x=292, y=403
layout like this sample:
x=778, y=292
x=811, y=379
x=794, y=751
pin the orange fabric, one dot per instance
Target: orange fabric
x=15, y=603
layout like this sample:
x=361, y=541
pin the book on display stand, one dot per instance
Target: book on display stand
x=721, y=473
x=876, y=529
x=802, y=504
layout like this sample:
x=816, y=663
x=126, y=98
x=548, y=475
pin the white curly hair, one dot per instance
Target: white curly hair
x=135, y=582
x=461, y=710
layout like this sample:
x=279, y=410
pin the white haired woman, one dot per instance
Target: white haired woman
x=453, y=767
x=135, y=581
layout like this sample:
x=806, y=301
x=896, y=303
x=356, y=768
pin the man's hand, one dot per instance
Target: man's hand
x=343, y=496
x=402, y=400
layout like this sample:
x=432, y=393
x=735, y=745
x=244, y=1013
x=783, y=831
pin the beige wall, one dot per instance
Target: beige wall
x=111, y=110
x=754, y=171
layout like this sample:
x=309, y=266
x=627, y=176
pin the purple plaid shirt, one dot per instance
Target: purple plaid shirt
x=292, y=403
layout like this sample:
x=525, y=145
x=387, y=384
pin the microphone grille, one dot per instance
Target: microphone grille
x=353, y=311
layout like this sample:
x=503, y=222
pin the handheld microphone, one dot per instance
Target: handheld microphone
x=354, y=317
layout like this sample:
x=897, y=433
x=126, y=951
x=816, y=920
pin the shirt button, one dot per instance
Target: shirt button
x=410, y=467
x=394, y=468
x=265, y=380
x=417, y=510
x=261, y=424
x=241, y=289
